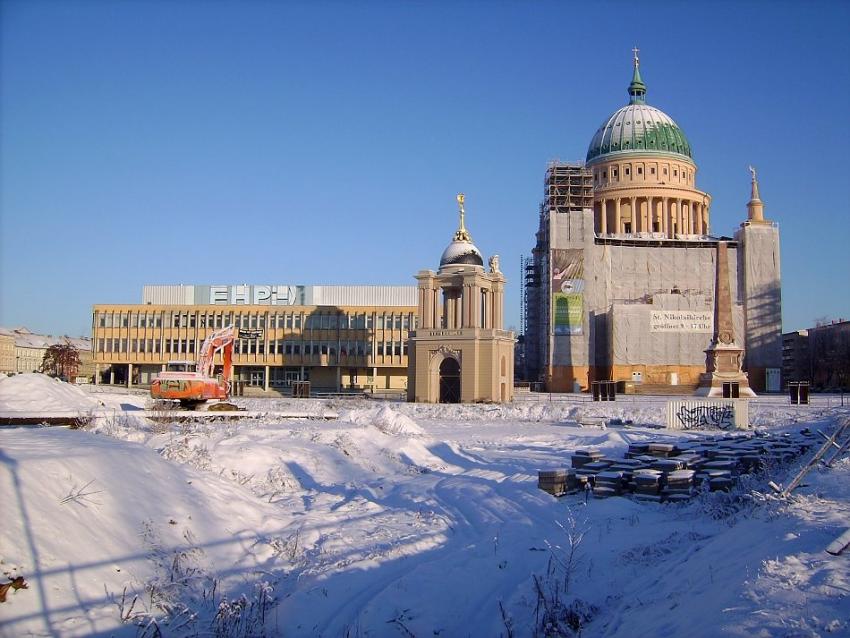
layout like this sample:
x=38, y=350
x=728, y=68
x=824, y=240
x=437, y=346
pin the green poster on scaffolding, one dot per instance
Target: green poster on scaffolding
x=567, y=291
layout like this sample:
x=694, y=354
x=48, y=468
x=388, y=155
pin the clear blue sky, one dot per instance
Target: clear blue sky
x=324, y=142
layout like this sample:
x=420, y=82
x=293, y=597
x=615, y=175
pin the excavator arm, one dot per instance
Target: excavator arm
x=219, y=341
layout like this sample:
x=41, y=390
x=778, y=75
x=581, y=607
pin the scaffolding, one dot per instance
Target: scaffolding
x=568, y=187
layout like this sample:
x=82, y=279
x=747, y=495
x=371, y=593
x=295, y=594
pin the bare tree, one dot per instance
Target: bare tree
x=62, y=360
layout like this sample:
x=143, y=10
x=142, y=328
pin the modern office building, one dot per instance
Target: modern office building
x=622, y=281
x=819, y=355
x=337, y=337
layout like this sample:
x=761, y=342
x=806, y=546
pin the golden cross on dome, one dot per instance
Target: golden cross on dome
x=635, y=50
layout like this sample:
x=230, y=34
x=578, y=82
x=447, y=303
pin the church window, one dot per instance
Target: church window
x=652, y=170
x=604, y=174
x=640, y=170
x=628, y=171
x=614, y=173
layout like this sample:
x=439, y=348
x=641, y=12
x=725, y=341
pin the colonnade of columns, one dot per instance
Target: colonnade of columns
x=668, y=215
x=465, y=306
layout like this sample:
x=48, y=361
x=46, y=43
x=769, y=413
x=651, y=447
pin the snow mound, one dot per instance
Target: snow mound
x=389, y=421
x=386, y=420
x=37, y=393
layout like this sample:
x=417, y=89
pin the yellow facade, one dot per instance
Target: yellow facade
x=7, y=354
x=335, y=348
x=461, y=353
x=29, y=358
x=641, y=194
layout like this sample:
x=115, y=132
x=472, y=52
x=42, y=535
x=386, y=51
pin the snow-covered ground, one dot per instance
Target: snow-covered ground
x=396, y=520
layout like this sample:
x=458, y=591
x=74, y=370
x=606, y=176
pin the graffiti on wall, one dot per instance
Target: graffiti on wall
x=706, y=416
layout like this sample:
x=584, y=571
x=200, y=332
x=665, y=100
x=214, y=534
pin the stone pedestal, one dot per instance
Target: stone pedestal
x=723, y=365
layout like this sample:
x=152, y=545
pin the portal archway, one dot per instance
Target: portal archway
x=449, y=381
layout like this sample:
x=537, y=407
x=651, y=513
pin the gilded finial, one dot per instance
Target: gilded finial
x=461, y=234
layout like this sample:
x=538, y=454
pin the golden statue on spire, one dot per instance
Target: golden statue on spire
x=462, y=234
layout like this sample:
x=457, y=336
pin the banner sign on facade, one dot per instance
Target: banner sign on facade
x=253, y=295
x=250, y=334
x=682, y=321
x=567, y=291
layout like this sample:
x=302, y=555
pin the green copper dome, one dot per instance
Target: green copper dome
x=638, y=128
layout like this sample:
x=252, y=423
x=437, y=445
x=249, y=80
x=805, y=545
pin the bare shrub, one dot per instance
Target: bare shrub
x=183, y=600
x=557, y=613
x=80, y=495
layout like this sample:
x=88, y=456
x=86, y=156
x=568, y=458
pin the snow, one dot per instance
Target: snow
x=34, y=393
x=395, y=519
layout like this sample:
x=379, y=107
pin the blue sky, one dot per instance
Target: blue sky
x=324, y=142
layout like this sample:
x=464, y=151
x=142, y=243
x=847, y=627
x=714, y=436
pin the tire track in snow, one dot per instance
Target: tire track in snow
x=481, y=506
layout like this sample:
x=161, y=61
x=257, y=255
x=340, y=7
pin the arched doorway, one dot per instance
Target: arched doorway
x=449, y=381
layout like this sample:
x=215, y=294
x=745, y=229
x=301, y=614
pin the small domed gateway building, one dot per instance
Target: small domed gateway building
x=460, y=351
x=621, y=284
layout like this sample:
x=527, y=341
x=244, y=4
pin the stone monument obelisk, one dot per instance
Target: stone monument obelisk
x=724, y=356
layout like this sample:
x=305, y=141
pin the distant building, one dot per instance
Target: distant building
x=7, y=354
x=622, y=281
x=796, y=364
x=28, y=351
x=819, y=355
x=337, y=337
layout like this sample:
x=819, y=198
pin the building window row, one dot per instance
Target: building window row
x=252, y=346
x=601, y=176
x=255, y=320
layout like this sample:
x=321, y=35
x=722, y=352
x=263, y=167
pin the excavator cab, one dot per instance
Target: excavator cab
x=181, y=366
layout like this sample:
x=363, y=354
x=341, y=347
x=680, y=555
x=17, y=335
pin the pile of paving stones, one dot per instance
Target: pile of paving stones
x=675, y=472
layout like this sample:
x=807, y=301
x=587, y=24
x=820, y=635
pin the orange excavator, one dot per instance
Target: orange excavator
x=193, y=384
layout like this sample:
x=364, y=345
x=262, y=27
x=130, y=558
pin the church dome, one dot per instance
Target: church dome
x=461, y=252
x=638, y=128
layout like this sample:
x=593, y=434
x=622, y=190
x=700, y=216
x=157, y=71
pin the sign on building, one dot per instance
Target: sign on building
x=682, y=321
x=567, y=291
x=253, y=295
